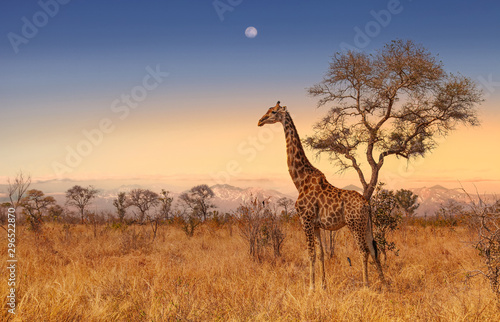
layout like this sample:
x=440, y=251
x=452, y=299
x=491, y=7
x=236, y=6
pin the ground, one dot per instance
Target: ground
x=68, y=273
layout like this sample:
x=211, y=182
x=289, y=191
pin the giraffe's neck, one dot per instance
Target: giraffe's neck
x=299, y=166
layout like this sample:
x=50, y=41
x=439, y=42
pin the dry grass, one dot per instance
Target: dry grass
x=68, y=275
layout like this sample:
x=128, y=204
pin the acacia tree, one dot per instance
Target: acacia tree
x=121, y=204
x=407, y=201
x=198, y=199
x=165, y=204
x=395, y=102
x=143, y=199
x=80, y=198
x=288, y=206
x=35, y=206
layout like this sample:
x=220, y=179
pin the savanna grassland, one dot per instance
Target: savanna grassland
x=73, y=273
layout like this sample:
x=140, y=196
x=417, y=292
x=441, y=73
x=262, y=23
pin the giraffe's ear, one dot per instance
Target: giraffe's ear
x=284, y=108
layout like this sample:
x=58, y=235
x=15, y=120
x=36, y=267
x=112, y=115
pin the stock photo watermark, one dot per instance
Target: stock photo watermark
x=221, y=7
x=11, y=261
x=121, y=107
x=31, y=26
x=489, y=86
x=381, y=19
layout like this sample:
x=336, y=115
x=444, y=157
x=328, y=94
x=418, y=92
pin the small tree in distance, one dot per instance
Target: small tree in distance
x=198, y=199
x=80, y=198
x=407, y=202
x=288, y=206
x=484, y=219
x=165, y=204
x=394, y=102
x=35, y=206
x=143, y=200
x=121, y=204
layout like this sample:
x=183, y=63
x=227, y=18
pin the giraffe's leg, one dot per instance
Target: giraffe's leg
x=372, y=247
x=364, y=251
x=312, y=254
x=374, y=253
x=379, y=268
x=364, y=256
x=317, y=234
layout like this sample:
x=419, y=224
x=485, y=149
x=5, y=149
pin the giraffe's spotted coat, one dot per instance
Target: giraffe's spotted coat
x=321, y=205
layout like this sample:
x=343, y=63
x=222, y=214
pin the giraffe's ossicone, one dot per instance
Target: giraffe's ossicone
x=321, y=205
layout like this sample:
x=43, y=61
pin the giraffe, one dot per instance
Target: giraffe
x=320, y=204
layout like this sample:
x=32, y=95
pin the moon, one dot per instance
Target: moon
x=251, y=32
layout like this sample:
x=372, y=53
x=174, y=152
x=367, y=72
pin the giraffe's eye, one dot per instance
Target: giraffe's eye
x=274, y=112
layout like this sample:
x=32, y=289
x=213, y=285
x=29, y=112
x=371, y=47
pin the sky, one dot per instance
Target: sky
x=113, y=93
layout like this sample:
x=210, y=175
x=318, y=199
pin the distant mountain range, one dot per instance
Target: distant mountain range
x=228, y=198
x=430, y=198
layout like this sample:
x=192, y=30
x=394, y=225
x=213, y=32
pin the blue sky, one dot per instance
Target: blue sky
x=90, y=52
x=93, y=45
x=98, y=45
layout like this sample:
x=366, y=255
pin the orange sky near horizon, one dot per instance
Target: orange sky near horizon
x=221, y=143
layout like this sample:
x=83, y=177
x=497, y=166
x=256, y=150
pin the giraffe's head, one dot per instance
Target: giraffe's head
x=273, y=115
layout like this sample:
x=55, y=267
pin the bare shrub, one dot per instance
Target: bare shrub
x=132, y=240
x=484, y=219
x=96, y=220
x=66, y=232
x=219, y=220
x=17, y=188
x=272, y=231
x=251, y=218
x=260, y=227
x=449, y=213
x=187, y=219
x=155, y=220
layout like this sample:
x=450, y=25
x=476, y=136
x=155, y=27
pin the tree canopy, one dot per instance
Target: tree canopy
x=35, y=205
x=80, y=198
x=394, y=102
x=199, y=200
x=143, y=200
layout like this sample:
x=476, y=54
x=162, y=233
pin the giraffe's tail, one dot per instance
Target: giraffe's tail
x=373, y=245
x=370, y=229
x=375, y=248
